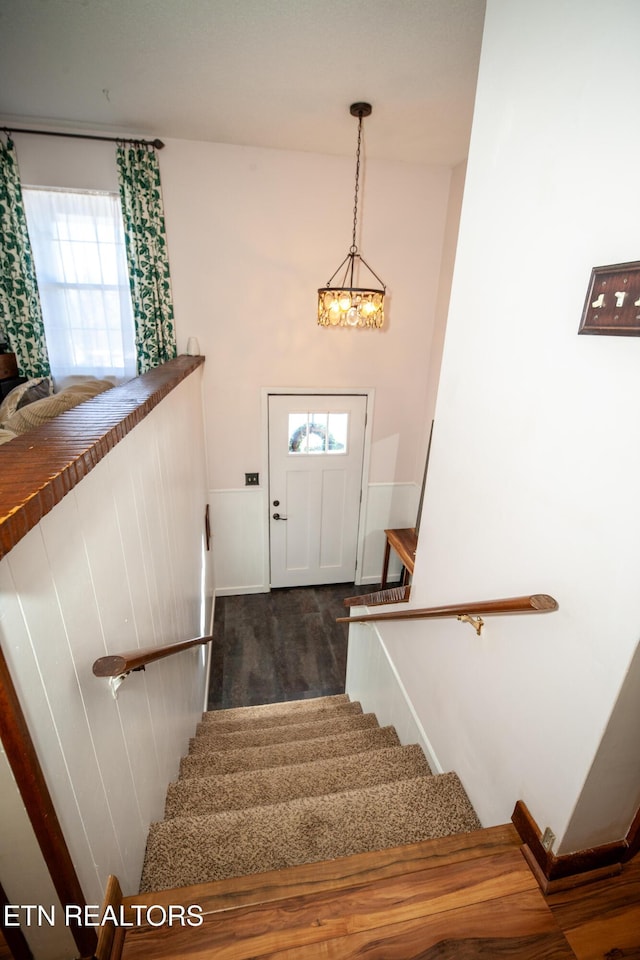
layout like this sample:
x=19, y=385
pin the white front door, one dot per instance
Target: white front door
x=316, y=447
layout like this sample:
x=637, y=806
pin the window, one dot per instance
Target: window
x=78, y=249
x=318, y=433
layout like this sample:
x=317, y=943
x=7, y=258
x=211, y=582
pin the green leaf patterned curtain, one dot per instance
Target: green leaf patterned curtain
x=20, y=313
x=146, y=244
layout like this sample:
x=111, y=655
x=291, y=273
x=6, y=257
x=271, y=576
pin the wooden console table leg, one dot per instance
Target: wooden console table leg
x=385, y=565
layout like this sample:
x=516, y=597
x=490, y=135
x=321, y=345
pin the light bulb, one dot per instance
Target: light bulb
x=344, y=301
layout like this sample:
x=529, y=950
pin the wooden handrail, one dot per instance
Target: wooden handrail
x=120, y=663
x=536, y=603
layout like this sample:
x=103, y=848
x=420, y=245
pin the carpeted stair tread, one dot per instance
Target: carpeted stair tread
x=236, y=791
x=229, y=725
x=188, y=850
x=276, y=709
x=208, y=742
x=300, y=751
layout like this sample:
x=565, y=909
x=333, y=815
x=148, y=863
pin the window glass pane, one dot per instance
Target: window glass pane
x=338, y=428
x=317, y=433
x=298, y=432
x=78, y=249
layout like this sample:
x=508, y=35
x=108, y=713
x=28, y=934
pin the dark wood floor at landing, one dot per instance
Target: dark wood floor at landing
x=283, y=645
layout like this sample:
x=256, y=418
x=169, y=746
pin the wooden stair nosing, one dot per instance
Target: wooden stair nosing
x=337, y=874
x=298, y=923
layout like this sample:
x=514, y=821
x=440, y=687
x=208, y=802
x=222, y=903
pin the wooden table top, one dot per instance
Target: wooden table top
x=404, y=541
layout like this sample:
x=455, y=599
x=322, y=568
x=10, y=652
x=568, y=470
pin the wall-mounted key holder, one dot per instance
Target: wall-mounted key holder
x=612, y=307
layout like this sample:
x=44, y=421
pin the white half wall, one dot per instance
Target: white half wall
x=374, y=681
x=118, y=564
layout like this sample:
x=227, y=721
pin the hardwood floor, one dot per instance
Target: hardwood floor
x=283, y=645
x=466, y=897
x=601, y=921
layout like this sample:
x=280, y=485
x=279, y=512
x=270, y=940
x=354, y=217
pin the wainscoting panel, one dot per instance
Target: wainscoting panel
x=239, y=520
x=240, y=540
x=118, y=564
x=388, y=506
x=372, y=679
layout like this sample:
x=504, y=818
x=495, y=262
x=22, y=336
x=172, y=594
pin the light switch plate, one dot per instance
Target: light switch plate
x=612, y=307
x=252, y=479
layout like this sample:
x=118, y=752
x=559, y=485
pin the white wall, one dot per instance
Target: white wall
x=252, y=235
x=533, y=482
x=118, y=564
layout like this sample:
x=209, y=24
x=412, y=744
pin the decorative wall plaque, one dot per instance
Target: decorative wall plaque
x=612, y=306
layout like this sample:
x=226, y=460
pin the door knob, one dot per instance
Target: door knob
x=277, y=516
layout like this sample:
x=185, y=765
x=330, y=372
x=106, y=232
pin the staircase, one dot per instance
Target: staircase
x=304, y=831
x=279, y=785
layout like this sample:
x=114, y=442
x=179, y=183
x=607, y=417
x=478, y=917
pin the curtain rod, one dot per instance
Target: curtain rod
x=158, y=144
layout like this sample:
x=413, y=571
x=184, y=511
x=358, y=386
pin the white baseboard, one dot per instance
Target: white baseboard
x=376, y=579
x=239, y=591
x=373, y=680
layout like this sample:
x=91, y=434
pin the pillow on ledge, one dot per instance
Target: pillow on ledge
x=24, y=393
x=34, y=414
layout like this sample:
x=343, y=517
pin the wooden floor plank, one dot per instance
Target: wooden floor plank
x=610, y=936
x=518, y=926
x=602, y=919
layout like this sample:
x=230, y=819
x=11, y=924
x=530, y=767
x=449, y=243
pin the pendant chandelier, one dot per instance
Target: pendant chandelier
x=347, y=304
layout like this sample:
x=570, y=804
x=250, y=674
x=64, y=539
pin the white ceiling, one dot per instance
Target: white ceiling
x=270, y=73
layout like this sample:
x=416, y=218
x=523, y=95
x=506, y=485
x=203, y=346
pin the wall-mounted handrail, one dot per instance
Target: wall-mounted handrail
x=469, y=612
x=119, y=665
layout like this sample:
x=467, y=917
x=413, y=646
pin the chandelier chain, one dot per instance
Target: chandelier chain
x=354, y=246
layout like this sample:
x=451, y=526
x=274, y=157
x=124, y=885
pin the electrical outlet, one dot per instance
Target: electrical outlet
x=547, y=839
x=252, y=479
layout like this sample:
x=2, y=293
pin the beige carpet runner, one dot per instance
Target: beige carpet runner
x=282, y=784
